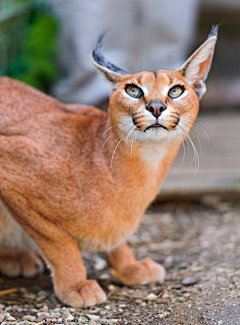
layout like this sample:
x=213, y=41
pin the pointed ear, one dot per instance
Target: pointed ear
x=196, y=68
x=111, y=72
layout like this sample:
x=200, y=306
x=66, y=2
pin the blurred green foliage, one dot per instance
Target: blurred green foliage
x=35, y=64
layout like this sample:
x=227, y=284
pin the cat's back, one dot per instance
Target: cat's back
x=39, y=128
x=18, y=98
x=22, y=106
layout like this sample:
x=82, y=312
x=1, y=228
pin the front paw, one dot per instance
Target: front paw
x=142, y=272
x=83, y=294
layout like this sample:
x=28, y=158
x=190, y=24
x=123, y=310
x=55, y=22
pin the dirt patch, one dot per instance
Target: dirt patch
x=198, y=245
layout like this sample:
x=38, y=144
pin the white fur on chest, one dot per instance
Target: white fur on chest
x=153, y=154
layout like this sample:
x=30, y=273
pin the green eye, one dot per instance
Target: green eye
x=175, y=92
x=134, y=91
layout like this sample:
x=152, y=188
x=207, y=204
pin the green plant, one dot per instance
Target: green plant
x=35, y=63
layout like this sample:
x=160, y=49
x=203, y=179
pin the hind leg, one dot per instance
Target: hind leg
x=15, y=257
x=20, y=261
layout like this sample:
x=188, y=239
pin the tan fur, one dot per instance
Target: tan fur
x=68, y=192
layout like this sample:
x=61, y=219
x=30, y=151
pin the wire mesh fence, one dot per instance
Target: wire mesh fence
x=28, y=42
x=14, y=17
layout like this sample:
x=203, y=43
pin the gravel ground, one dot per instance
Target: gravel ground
x=197, y=243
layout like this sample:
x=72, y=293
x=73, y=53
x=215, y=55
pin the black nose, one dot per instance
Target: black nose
x=156, y=108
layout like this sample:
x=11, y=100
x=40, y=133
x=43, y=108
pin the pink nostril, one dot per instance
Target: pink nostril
x=156, y=108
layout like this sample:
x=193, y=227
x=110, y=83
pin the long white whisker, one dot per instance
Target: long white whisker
x=199, y=142
x=199, y=125
x=196, y=153
x=132, y=144
x=126, y=141
x=123, y=123
x=184, y=150
x=135, y=136
x=195, y=156
x=115, y=151
x=119, y=143
x=119, y=124
x=105, y=142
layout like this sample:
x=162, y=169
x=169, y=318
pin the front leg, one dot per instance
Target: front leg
x=127, y=269
x=61, y=252
x=70, y=278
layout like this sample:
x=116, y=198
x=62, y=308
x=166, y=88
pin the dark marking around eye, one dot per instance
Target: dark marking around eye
x=139, y=96
x=174, y=87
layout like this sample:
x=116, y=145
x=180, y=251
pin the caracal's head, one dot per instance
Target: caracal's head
x=159, y=105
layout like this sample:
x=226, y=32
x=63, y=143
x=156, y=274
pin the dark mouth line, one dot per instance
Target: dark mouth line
x=156, y=125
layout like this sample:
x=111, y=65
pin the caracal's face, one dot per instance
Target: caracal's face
x=157, y=106
x=153, y=106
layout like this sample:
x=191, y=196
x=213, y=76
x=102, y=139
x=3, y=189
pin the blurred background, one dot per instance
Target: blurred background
x=47, y=44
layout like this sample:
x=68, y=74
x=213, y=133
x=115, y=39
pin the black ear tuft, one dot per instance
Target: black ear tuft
x=99, y=58
x=214, y=31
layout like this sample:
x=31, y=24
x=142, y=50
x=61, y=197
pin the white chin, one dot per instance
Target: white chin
x=153, y=134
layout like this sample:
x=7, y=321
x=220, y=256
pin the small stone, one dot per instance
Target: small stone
x=210, y=201
x=165, y=295
x=93, y=317
x=68, y=317
x=2, y=316
x=112, y=321
x=151, y=296
x=105, y=276
x=41, y=317
x=29, y=317
x=82, y=319
x=189, y=280
x=8, y=308
x=111, y=287
x=42, y=292
x=11, y=319
x=183, y=265
x=229, y=246
x=169, y=260
x=163, y=315
x=176, y=286
x=103, y=312
x=109, y=321
x=92, y=322
x=44, y=308
x=41, y=298
x=31, y=296
x=56, y=310
x=57, y=315
x=100, y=264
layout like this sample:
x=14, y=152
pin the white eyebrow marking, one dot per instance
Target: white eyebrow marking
x=166, y=90
x=146, y=90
